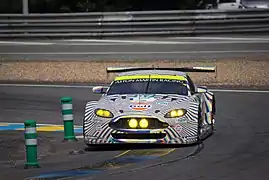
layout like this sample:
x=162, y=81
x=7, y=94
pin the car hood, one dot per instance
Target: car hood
x=150, y=104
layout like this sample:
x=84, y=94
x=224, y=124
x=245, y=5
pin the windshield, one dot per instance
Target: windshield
x=148, y=86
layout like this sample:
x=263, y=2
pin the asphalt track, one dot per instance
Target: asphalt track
x=238, y=150
x=181, y=48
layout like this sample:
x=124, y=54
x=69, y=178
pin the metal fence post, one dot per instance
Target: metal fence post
x=68, y=118
x=25, y=6
x=31, y=144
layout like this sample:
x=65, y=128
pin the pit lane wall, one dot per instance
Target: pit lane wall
x=229, y=72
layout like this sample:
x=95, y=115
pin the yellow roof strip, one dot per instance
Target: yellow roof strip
x=152, y=76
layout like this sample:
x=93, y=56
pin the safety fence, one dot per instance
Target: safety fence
x=109, y=24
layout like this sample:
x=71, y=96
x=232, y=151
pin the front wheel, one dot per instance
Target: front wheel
x=213, y=115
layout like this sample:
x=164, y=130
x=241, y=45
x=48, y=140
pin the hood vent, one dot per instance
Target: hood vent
x=113, y=99
x=164, y=97
x=173, y=99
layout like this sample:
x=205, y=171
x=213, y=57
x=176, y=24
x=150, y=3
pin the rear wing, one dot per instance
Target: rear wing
x=182, y=69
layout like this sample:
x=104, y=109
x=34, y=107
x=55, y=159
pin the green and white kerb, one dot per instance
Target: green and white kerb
x=68, y=118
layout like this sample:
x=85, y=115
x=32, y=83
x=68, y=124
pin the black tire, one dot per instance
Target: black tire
x=83, y=121
x=214, y=105
x=213, y=114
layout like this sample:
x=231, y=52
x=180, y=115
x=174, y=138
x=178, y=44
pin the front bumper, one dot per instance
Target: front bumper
x=176, y=131
x=168, y=136
x=92, y=141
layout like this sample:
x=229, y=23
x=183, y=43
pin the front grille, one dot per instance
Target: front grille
x=153, y=123
x=138, y=136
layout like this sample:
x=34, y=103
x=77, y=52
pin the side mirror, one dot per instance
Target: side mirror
x=201, y=89
x=99, y=90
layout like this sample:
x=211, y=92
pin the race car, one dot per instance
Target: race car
x=150, y=105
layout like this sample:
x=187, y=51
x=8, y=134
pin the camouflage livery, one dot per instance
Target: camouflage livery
x=164, y=118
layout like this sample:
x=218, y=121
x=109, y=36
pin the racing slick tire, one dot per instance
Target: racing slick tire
x=200, y=135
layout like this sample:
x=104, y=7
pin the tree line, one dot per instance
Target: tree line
x=68, y=6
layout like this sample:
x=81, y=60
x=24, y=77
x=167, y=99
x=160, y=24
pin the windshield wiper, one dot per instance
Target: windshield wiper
x=147, y=88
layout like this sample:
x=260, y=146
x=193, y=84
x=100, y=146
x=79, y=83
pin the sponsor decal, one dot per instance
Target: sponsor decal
x=162, y=103
x=141, y=102
x=140, y=106
x=178, y=128
x=181, y=120
x=98, y=127
x=142, y=98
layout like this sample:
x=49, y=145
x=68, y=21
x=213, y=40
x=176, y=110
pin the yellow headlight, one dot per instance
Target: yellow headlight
x=143, y=123
x=106, y=113
x=173, y=113
x=176, y=113
x=103, y=113
x=180, y=112
x=133, y=123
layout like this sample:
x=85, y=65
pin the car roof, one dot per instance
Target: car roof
x=147, y=72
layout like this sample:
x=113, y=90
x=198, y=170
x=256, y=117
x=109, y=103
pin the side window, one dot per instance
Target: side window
x=191, y=84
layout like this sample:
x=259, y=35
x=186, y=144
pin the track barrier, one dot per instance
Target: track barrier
x=30, y=134
x=134, y=23
x=68, y=118
x=31, y=144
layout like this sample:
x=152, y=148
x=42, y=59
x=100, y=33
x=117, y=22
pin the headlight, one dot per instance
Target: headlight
x=134, y=123
x=176, y=113
x=103, y=113
x=143, y=123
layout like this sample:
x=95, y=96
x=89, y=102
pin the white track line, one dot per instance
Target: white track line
x=25, y=43
x=118, y=41
x=47, y=86
x=228, y=40
x=130, y=53
x=224, y=38
x=14, y=43
x=90, y=44
x=84, y=86
x=163, y=43
x=167, y=42
x=239, y=90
